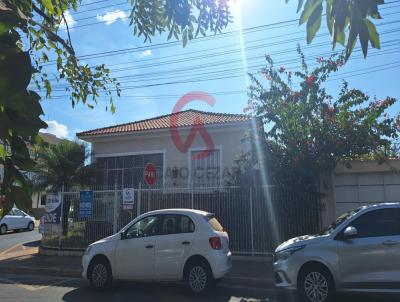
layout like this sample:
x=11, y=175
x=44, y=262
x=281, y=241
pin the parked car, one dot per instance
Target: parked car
x=16, y=220
x=163, y=245
x=359, y=252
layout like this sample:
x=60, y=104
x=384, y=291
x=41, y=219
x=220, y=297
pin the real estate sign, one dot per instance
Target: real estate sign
x=85, y=204
x=128, y=198
x=53, y=209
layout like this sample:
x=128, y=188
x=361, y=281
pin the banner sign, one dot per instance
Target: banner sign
x=53, y=209
x=128, y=198
x=85, y=204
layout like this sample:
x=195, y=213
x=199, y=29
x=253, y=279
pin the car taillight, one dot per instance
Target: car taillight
x=215, y=243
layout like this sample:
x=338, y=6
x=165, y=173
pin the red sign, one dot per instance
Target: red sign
x=150, y=174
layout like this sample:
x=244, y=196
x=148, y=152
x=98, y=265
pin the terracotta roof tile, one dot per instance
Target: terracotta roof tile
x=182, y=119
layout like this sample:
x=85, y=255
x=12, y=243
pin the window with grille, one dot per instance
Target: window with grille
x=127, y=170
x=205, y=172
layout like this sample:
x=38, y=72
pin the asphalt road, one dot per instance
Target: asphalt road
x=20, y=288
x=11, y=239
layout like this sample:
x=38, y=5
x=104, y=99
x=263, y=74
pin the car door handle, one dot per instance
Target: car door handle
x=149, y=246
x=186, y=242
x=390, y=242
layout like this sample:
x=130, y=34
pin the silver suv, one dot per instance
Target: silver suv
x=359, y=252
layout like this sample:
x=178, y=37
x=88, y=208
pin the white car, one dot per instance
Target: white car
x=16, y=220
x=163, y=245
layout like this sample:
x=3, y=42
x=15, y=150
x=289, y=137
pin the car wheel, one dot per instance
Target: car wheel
x=31, y=226
x=316, y=284
x=198, y=277
x=100, y=275
x=3, y=229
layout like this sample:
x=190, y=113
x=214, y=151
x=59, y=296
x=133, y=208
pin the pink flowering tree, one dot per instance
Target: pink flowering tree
x=308, y=130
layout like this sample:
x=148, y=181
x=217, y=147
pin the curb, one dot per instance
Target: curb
x=258, y=283
x=26, y=270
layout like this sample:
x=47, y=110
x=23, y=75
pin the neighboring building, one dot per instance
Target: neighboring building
x=122, y=152
x=366, y=182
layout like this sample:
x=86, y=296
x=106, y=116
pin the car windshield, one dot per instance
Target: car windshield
x=339, y=221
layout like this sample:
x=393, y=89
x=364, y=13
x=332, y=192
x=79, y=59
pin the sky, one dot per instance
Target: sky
x=154, y=75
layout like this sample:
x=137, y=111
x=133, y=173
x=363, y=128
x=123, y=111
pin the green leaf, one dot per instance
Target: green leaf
x=48, y=87
x=300, y=5
x=373, y=34
x=309, y=8
x=16, y=71
x=314, y=23
x=185, y=37
x=3, y=152
x=49, y=5
x=364, y=38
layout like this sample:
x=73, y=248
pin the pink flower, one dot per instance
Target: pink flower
x=281, y=69
x=311, y=80
x=320, y=60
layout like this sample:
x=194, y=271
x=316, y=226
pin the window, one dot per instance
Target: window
x=43, y=200
x=213, y=221
x=143, y=228
x=205, y=172
x=175, y=224
x=383, y=222
x=127, y=170
x=18, y=212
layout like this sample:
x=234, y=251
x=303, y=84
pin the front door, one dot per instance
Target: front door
x=173, y=245
x=134, y=255
x=372, y=259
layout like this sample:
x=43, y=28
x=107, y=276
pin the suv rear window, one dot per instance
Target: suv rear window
x=213, y=221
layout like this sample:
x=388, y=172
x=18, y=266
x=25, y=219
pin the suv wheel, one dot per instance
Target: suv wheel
x=100, y=276
x=316, y=284
x=3, y=229
x=198, y=277
x=31, y=226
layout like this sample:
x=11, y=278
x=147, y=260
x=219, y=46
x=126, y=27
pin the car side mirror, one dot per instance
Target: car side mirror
x=123, y=235
x=349, y=233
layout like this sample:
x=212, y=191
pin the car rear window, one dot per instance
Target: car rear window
x=213, y=221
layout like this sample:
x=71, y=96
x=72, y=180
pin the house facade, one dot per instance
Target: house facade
x=188, y=149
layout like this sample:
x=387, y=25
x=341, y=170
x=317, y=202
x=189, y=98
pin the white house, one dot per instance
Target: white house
x=188, y=149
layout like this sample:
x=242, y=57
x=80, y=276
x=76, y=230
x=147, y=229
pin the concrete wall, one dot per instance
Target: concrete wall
x=366, y=182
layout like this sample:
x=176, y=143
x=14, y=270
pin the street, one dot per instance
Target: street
x=41, y=288
x=12, y=239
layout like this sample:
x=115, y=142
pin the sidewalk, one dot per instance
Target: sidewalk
x=246, y=271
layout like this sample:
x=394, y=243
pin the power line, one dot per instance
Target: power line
x=229, y=61
x=128, y=10
x=209, y=70
x=168, y=44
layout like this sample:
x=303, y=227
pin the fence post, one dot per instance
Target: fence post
x=139, y=198
x=192, y=199
x=61, y=217
x=115, y=208
x=251, y=221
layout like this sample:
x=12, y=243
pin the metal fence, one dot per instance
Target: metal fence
x=256, y=218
